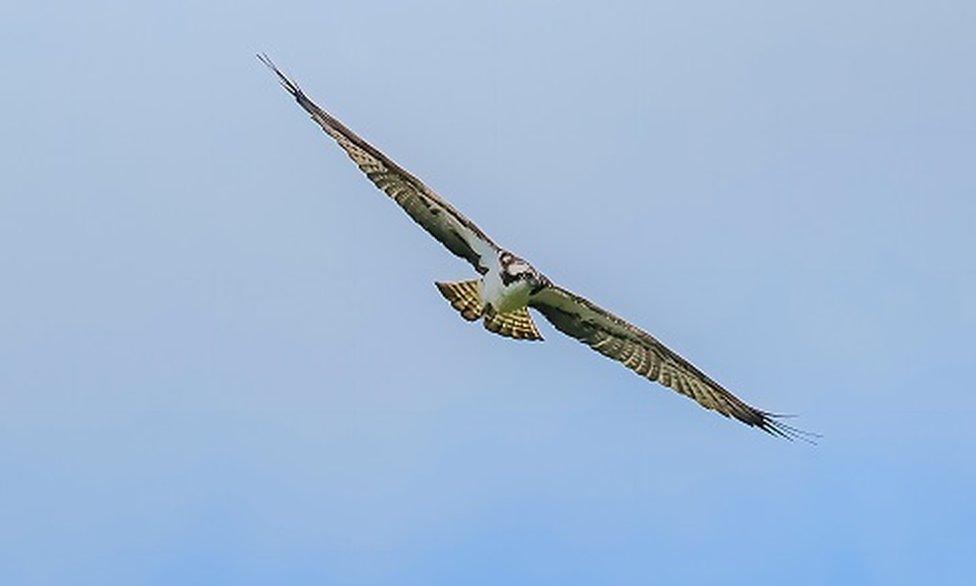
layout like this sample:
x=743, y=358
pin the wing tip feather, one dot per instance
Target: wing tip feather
x=290, y=86
x=771, y=423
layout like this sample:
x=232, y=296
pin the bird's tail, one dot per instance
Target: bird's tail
x=516, y=324
x=465, y=296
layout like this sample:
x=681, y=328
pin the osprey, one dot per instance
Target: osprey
x=509, y=285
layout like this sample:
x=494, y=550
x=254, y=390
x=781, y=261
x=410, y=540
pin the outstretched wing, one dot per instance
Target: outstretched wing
x=641, y=352
x=459, y=234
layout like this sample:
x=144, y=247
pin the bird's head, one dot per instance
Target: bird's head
x=516, y=269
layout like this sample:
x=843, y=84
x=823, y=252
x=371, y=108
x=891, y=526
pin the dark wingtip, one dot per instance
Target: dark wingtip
x=290, y=86
x=771, y=424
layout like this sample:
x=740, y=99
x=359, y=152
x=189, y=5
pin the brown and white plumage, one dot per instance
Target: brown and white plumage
x=641, y=352
x=449, y=226
x=509, y=285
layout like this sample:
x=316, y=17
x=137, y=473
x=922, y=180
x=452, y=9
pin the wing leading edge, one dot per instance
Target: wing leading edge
x=641, y=352
x=435, y=215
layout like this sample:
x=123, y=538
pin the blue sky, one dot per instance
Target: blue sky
x=224, y=360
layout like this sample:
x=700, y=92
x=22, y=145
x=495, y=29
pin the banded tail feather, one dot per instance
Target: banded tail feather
x=465, y=296
x=516, y=324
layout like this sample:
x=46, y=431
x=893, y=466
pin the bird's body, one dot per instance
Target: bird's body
x=503, y=298
x=509, y=283
x=509, y=286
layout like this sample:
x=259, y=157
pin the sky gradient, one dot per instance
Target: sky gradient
x=223, y=359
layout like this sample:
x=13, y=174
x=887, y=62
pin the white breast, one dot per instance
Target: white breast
x=504, y=298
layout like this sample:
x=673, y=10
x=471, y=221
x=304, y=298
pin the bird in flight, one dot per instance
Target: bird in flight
x=508, y=285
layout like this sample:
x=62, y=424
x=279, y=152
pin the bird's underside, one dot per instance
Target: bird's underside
x=508, y=286
x=466, y=297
